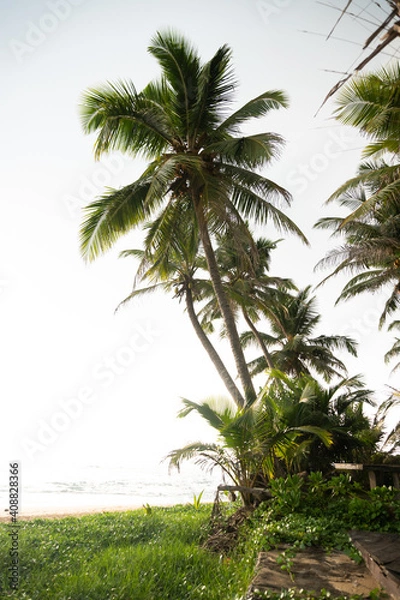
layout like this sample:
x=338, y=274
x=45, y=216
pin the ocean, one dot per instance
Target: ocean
x=96, y=486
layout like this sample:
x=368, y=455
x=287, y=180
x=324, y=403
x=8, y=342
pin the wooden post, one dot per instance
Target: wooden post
x=372, y=479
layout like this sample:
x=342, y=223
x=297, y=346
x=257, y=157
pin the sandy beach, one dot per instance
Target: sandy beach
x=60, y=512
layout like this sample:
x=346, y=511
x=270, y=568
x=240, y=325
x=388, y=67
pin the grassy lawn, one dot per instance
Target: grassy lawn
x=124, y=556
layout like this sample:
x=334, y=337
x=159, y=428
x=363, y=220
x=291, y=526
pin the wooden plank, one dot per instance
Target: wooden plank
x=381, y=552
x=361, y=467
x=394, y=470
x=383, y=468
x=348, y=466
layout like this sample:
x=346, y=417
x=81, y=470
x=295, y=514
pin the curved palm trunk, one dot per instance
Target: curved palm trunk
x=225, y=307
x=212, y=353
x=259, y=339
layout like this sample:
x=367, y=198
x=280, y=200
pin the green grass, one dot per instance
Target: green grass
x=157, y=553
x=122, y=556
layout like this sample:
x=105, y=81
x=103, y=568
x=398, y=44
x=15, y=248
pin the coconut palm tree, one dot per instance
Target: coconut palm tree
x=252, y=291
x=390, y=435
x=292, y=346
x=371, y=252
x=199, y=161
x=371, y=230
x=394, y=351
x=371, y=103
x=175, y=269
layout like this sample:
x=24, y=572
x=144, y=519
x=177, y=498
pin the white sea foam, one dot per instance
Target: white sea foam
x=117, y=486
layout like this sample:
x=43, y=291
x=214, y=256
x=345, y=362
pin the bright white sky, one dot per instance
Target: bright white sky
x=60, y=339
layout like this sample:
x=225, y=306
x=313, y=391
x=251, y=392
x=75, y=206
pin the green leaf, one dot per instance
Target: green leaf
x=254, y=109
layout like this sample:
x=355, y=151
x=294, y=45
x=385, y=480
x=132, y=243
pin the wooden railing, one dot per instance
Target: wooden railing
x=372, y=470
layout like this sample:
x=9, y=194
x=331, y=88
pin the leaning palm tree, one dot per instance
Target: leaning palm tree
x=251, y=289
x=293, y=347
x=175, y=269
x=199, y=161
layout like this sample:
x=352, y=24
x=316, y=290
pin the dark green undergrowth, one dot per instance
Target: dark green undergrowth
x=320, y=513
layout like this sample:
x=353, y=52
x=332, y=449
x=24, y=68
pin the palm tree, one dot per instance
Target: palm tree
x=249, y=286
x=372, y=233
x=174, y=270
x=291, y=344
x=199, y=161
x=237, y=452
x=371, y=103
x=390, y=439
x=252, y=442
x=338, y=410
x=371, y=252
x=394, y=351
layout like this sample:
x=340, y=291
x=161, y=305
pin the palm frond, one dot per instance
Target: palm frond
x=250, y=152
x=111, y=216
x=254, y=109
x=180, y=65
x=143, y=291
x=215, y=86
x=192, y=450
x=216, y=417
x=253, y=206
x=124, y=120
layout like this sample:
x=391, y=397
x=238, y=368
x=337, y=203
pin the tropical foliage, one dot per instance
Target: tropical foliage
x=254, y=443
x=295, y=425
x=201, y=163
x=198, y=202
x=291, y=345
x=371, y=252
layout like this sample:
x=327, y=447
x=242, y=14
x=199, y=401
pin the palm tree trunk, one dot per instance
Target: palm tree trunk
x=259, y=339
x=212, y=353
x=225, y=307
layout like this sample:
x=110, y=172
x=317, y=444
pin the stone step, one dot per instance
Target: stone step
x=313, y=570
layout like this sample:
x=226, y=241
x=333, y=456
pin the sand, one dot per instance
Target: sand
x=60, y=512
